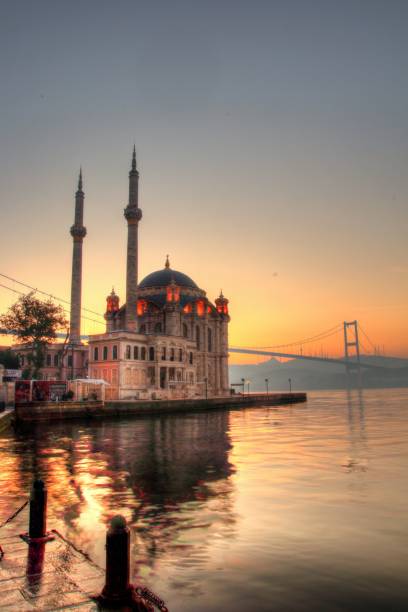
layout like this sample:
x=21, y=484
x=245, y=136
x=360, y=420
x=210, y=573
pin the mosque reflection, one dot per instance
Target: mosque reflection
x=167, y=476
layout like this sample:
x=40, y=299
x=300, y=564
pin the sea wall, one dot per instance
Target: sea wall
x=39, y=411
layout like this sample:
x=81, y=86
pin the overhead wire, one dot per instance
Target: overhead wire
x=64, y=309
x=54, y=297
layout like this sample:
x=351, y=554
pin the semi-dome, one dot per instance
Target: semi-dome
x=163, y=278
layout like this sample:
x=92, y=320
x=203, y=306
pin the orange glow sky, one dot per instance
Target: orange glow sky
x=272, y=157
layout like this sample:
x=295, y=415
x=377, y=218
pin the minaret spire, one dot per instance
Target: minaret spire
x=133, y=215
x=134, y=159
x=78, y=233
x=80, y=179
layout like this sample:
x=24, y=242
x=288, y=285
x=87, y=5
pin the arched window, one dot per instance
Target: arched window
x=48, y=359
x=180, y=354
x=96, y=353
x=135, y=352
x=128, y=351
x=105, y=353
x=151, y=353
x=185, y=331
x=209, y=340
x=163, y=356
x=172, y=354
x=198, y=337
x=143, y=353
x=190, y=358
x=158, y=328
x=114, y=352
x=142, y=329
x=56, y=360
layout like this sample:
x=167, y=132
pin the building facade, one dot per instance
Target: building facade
x=168, y=340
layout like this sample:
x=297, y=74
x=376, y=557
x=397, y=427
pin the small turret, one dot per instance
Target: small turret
x=112, y=307
x=112, y=302
x=221, y=304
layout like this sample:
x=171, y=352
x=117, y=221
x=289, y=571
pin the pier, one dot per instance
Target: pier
x=43, y=570
x=39, y=411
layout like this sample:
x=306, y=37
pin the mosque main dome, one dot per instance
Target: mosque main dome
x=163, y=278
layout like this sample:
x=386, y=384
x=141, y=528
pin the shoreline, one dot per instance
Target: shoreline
x=41, y=411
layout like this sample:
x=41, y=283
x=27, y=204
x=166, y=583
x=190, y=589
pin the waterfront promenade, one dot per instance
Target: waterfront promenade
x=38, y=411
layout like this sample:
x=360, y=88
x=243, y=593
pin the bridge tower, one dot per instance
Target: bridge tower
x=351, y=342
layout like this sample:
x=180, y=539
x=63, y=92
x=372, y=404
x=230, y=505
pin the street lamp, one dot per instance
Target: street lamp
x=267, y=386
x=290, y=385
x=248, y=381
x=243, y=386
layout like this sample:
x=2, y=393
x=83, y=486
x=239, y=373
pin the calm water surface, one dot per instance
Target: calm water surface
x=269, y=509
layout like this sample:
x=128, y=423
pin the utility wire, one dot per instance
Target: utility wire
x=64, y=309
x=54, y=297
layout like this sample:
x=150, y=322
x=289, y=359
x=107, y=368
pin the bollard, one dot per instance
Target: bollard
x=38, y=511
x=117, y=589
x=37, y=528
x=35, y=566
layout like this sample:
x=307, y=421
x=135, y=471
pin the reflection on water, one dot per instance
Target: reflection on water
x=279, y=508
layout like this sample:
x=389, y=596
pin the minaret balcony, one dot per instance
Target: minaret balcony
x=132, y=213
x=78, y=231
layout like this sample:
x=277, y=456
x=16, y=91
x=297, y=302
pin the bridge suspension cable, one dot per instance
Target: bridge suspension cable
x=323, y=335
x=367, y=338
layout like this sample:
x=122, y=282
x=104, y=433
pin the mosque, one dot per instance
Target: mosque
x=167, y=341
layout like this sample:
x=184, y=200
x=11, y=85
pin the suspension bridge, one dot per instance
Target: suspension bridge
x=353, y=338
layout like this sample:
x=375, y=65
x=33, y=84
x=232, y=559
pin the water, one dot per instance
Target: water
x=292, y=508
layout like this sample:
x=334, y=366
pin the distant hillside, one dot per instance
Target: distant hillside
x=318, y=375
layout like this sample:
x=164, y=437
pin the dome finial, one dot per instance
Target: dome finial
x=167, y=264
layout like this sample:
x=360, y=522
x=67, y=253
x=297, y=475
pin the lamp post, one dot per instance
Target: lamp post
x=290, y=385
x=243, y=386
x=248, y=381
x=267, y=386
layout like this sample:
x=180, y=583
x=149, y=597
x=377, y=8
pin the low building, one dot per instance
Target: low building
x=61, y=361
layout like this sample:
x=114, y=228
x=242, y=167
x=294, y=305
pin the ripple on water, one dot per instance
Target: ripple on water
x=291, y=508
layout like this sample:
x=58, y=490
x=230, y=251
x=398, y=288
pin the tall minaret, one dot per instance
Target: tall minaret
x=133, y=214
x=78, y=232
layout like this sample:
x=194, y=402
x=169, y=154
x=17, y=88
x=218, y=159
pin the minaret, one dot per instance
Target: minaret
x=78, y=232
x=133, y=214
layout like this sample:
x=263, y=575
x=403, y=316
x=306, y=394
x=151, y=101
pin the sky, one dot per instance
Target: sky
x=272, y=146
